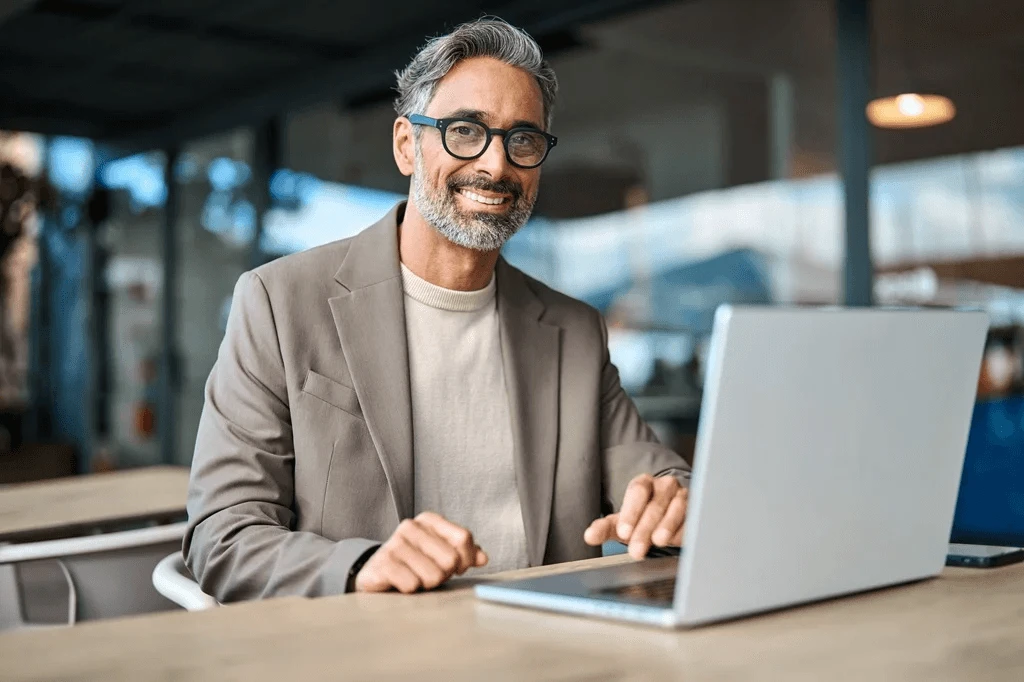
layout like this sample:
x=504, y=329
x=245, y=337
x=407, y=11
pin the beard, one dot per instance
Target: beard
x=477, y=230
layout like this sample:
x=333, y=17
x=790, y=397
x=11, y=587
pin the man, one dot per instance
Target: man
x=397, y=408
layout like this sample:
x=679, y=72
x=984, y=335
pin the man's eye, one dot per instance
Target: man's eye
x=527, y=141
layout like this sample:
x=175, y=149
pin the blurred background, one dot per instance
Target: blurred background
x=709, y=151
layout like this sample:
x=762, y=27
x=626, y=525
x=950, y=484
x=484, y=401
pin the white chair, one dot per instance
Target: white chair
x=107, y=575
x=12, y=607
x=172, y=579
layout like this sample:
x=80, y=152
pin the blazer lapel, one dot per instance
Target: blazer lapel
x=370, y=317
x=530, y=352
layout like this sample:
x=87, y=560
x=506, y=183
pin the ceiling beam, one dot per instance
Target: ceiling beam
x=20, y=70
x=53, y=117
x=195, y=27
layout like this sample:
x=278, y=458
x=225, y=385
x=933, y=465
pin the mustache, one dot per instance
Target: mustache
x=503, y=186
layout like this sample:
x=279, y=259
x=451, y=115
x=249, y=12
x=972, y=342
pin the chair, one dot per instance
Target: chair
x=172, y=579
x=12, y=607
x=108, y=575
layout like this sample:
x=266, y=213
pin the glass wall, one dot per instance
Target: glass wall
x=214, y=229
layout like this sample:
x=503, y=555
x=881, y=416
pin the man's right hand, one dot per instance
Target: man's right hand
x=421, y=554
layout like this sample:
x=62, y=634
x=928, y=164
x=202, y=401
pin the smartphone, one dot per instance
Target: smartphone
x=983, y=556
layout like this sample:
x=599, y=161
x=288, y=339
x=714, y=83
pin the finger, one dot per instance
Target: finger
x=434, y=546
x=638, y=494
x=481, y=558
x=671, y=523
x=457, y=536
x=601, y=530
x=677, y=539
x=371, y=577
x=400, y=576
x=640, y=540
x=385, y=570
x=429, y=574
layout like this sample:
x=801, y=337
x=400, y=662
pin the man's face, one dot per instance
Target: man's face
x=458, y=197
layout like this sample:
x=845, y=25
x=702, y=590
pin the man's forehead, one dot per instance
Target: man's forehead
x=496, y=92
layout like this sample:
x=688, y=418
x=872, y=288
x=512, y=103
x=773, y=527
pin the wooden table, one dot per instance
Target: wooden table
x=965, y=625
x=46, y=509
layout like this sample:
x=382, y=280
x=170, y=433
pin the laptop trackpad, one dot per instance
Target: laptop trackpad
x=657, y=592
x=648, y=570
x=624, y=582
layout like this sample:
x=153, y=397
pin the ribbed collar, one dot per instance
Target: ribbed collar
x=446, y=299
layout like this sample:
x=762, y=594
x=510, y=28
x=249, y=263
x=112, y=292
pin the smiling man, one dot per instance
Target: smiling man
x=391, y=410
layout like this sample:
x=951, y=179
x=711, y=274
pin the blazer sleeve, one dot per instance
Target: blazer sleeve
x=628, y=445
x=240, y=543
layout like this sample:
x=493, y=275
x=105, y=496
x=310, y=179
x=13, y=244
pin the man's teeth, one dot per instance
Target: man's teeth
x=482, y=199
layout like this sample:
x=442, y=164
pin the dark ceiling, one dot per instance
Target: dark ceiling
x=143, y=73
x=146, y=73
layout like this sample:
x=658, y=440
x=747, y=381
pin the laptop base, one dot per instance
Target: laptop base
x=640, y=592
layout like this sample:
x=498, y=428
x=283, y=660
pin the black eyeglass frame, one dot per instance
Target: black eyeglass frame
x=442, y=125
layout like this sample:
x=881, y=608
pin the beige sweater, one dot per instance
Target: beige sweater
x=462, y=430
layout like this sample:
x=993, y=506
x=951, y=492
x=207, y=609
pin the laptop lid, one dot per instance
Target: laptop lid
x=828, y=454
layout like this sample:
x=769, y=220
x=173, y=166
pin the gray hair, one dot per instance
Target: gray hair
x=489, y=37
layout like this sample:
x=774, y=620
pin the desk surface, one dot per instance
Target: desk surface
x=965, y=625
x=48, y=508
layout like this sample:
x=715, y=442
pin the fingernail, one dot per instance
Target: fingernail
x=624, y=530
x=661, y=536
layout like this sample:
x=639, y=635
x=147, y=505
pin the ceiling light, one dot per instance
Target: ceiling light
x=910, y=110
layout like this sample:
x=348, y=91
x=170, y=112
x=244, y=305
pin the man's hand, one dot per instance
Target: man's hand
x=422, y=553
x=653, y=512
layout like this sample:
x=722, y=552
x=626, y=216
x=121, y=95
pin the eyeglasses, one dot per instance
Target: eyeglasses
x=466, y=139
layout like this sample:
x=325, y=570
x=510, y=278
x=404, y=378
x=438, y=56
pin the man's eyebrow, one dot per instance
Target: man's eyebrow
x=478, y=115
x=475, y=114
x=523, y=123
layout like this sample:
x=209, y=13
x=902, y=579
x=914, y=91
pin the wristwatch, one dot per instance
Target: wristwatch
x=353, y=571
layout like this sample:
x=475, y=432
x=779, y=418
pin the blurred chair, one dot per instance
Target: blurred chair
x=12, y=606
x=107, y=575
x=172, y=579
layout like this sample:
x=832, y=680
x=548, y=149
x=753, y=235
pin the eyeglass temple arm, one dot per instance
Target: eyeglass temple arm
x=420, y=119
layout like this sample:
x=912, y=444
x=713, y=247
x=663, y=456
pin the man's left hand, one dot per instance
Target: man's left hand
x=653, y=512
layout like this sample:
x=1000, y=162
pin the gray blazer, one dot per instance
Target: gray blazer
x=304, y=455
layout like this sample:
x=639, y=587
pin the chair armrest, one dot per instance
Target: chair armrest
x=91, y=544
x=171, y=579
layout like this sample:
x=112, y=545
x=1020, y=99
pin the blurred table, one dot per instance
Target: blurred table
x=965, y=625
x=47, y=509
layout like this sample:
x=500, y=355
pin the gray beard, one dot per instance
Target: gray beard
x=472, y=230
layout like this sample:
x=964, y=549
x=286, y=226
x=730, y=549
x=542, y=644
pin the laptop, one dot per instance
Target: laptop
x=828, y=457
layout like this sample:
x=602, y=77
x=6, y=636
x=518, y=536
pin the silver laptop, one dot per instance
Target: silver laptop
x=828, y=460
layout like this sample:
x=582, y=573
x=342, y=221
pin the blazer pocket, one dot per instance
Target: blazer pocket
x=333, y=393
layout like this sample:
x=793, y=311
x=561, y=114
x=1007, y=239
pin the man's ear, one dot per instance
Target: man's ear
x=403, y=144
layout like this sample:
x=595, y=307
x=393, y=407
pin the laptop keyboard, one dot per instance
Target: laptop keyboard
x=660, y=592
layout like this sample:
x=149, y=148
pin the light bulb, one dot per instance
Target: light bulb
x=910, y=104
x=910, y=110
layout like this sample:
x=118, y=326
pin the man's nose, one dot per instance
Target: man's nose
x=493, y=161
